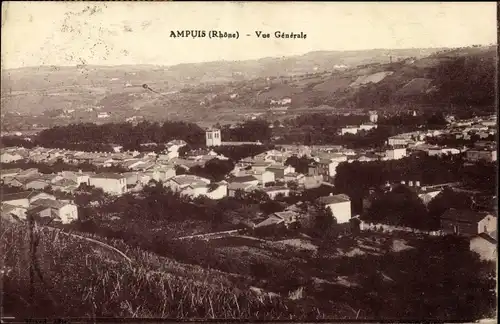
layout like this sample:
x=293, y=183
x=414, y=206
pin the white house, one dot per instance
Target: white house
x=395, y=153
x=111, y=183
x=219, y=192
x=272, y=192
x=20, y=199
x=485, y=245
x=7, y=173
x=397, y=140
x=183, y=181
x=340, y=206
x=213, y=137
x=78, y=177
x=103, y=115
x=263, y=177
x=367, y=126
x=162, y=173
x=349, y=130
x=7, y=157
x=62, y=211
x=280, y=171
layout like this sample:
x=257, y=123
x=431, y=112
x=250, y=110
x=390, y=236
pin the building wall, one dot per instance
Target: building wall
x=213, y=138
x=485, y=249
x=473, y=155
x=218, y=193
x=68, y=213
x=487, y=224
x=41, y=195
x=19, y=202
x=332, y=169
x=111, y=186
x=341, y=211
x=396, y=154
x=461, y=228
x=7, y=157
x=349, y=131
x=396, y=141
x=273, y=194
x=36, y=185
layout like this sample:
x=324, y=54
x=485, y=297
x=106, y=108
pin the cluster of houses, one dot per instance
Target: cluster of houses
x=40, y=205
x=461, y=129
x=355, y=129
x=266, y=172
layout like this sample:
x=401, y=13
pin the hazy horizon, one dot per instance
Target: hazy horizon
x=137, y=33
x=243, y=60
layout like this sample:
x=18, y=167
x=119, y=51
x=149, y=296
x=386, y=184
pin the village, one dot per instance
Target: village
x=270, y=173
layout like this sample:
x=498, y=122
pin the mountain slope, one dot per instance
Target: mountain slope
x=374, y=79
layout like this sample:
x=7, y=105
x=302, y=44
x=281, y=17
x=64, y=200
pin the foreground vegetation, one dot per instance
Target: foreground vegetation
x=433, y=278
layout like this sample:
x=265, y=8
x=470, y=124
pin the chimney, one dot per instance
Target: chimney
x=410, y=183
x=417, y=183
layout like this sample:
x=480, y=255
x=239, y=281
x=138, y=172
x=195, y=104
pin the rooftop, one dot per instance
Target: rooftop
x=108, y=176
x=242, y=179
x=334, y=199
x=464, y=215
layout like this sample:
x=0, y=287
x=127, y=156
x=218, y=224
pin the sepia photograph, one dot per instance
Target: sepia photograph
x=248, y=161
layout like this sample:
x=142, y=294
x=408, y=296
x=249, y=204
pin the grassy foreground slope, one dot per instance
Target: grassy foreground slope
x=73, y=278
x=372, y=276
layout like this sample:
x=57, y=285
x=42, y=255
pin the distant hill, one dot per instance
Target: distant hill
x=371, y=79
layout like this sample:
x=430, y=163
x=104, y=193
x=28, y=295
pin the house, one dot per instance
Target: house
x=183, y=181
x=298, y=178
x=36, y=195
x=194, y=189
x=439, y=151
x=481, y=154
x=324, y=168
x=78, y=177
x=103, y=115
x=485, y=245
x=12, y=213
x=273, y=192
x=286, y=218
x=13, y=182
x=397, y=140
x=111, y=183
x=247, y=180
x=65, y=185
x=218, y=191
x=467, y=222
x=367, y=126
x=8, y=173
x=263, y=177
x=280, y=170
x=395, y=153
x=58, y=210
x=20, y=199
x=32, y=172
x=7, y=157
x=233, y=187
x=349, y=130
x=428, y=194
x=36, y=184
x=213, y=137
x=340, y=206
x=261, y=166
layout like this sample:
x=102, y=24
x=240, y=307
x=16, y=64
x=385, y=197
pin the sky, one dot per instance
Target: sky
x=116, y=33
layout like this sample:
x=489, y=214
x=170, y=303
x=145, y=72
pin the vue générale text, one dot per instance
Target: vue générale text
x=235, y=34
